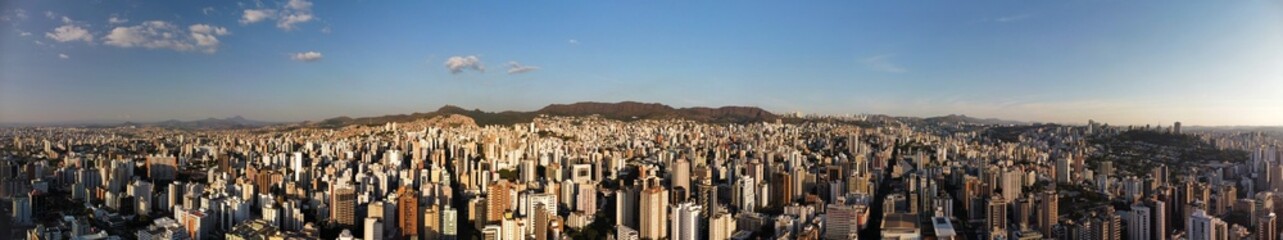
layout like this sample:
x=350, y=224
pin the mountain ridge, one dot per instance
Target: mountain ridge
x=625, y=111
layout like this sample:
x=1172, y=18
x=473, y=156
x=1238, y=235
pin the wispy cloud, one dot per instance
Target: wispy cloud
x=14, y=15
x=573, y=42
x=117, y=20
x=883, y=63
x=63, y=56
x=309, y=56
x=516, y=68
x=1012, y=18
x=287, y=17
x=70, y=32
x=457, y=64
x=256, y=15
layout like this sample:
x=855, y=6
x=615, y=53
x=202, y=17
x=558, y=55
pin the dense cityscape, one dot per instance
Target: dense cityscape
x=641, y=120
x=609, y=177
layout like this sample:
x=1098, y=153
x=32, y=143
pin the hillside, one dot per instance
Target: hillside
x=625, y=111
x=1137, y=151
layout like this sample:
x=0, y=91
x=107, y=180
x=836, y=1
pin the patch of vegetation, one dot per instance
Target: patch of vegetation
x=1138, y=151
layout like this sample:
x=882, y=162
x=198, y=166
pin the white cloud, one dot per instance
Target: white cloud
x=67, y=33
x=457, y=64
x=883, y=63
x=116, y=20
x=63, y=56
x=295, y=12
x=517, y=68
x=309, y=56
x=288, y=21
x=66, y=20
x=207, y=10
x=24, y=34
x=287, y=17
x=206, y=35
x=51, y=15
x=573, y=41
x=257, y=15
x=165, y=35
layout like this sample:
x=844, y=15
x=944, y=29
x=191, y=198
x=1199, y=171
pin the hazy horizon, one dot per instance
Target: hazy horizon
x=1124, y=63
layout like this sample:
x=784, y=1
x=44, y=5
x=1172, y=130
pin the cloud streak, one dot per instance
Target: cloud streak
x=458, y=64
x=1012, y=18
x=309, y=56
x=882, y=63
x=287, y=17
x=69, y=32
x=516, y=68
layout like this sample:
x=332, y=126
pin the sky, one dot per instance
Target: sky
x=1120, y=62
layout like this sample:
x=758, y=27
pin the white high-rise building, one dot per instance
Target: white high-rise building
x=686, y=217
x=721, y=226
x=1138, y=222
x=373, y=229
x=1201, y=226
x=745, y=195
x=449, y=223
x=1011, y=183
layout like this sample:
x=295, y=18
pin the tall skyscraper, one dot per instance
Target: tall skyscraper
x=431, y=222
x=686, y=218
x=343, y=206
x=682, y=175
x=21, y=210
x=626, y=206
x=654, y=213
x=1201, y=226
x=1139, y=221
x=996, y=218
x=497, y=195
x=1107, y=225
x=841, y=221
x=721, y=226
x=1011, y=184
x=373, y=229
x=1159, y=218
x=449, y=223
x=540, y=220
x=1266, y=227
x=782, y=189
x=477, y=212
x=161, y=168
x=1064, y=169
x=1048, y=212
x=408, y=209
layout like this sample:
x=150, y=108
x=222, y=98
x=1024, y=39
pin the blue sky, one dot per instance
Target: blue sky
x=1123, y=62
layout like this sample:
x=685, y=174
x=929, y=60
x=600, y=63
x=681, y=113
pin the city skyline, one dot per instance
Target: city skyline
x=1129, y=63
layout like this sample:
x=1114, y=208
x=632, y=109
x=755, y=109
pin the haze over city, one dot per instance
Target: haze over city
x=1202, y=63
